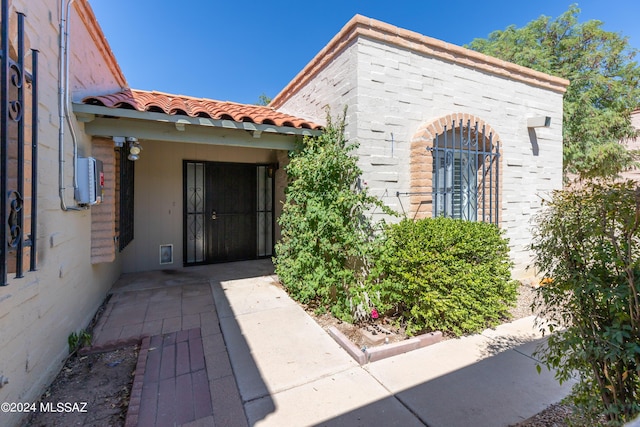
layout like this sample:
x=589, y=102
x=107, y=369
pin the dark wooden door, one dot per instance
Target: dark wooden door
x=220, y=212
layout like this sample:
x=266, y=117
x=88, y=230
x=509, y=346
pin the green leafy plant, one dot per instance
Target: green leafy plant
x=322, y=257
x=444, y=274
x=587, y=241
x=78, y=340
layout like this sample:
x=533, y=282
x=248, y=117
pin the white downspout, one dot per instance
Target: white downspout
x=63, y=105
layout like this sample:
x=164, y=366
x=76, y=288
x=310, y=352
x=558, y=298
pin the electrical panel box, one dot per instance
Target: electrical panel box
x=90, y=181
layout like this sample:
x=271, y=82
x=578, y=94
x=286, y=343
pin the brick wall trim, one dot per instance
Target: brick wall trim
x=103, y=217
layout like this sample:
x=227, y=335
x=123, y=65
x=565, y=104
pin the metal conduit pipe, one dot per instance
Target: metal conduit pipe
x=63, y=104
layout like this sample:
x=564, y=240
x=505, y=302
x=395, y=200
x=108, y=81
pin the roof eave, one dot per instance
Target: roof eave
x=108, y=122
x=87, y=113
x=361, y=26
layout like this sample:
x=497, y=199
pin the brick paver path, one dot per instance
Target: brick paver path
x=184, y=376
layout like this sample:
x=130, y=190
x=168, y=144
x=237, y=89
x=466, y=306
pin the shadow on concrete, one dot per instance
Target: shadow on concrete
x=240, y=354
x=501, y=390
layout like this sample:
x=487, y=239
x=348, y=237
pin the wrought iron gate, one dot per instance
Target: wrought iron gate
x=17, y=149
x=466, y=173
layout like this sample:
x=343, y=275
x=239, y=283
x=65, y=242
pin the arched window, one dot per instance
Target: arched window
x=463, y=169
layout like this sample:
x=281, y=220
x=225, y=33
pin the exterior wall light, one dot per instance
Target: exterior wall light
x=134, y=149
x=271, y=169
x=539, y=122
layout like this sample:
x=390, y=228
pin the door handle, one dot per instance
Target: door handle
x=214, y=215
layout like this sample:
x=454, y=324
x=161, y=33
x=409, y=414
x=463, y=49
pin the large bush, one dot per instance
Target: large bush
x=587, y=242
x=322, y=256
x=444, y=274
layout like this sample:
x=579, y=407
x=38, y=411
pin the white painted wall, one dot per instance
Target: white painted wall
x=391, y=92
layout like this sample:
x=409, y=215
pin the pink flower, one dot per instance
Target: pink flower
x=374, y=314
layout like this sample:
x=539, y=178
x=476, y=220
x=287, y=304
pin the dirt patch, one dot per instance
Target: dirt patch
x=389, y=329
x=356, y=333
x=90, y=390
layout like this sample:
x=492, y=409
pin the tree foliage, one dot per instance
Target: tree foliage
x=263, y=99
x=587, y=242
x=326, y=235
x=604, y=84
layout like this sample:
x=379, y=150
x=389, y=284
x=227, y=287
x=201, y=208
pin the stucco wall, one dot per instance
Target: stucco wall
x=634, y=144
x=159, y=196
x=392, y=91
x=39, y=311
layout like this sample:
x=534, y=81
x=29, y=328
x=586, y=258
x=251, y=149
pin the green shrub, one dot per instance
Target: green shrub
x=321, y=258
x=444, y=274
x=587, y=241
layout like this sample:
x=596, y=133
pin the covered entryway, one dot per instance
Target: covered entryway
x=205, y=181
x=228, y=212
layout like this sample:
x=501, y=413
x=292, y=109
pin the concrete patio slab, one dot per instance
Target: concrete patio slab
x=287, y=346
x=500, y=390
x=474, y=380
x=418, y=366
x=347, y=398
x=252, y=295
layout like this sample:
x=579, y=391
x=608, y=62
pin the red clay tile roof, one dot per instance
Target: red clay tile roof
x=159, y=102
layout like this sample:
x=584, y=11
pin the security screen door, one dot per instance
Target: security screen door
x=228, y=212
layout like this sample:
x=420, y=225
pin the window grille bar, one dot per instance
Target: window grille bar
x=484, y=174
x=34, y=160
x=497, y=157
x=459, y=171
x=436, y=173
x=491, y=177
x=445, y=174
x=476, y=158
x=4, y=136
x=16, y=235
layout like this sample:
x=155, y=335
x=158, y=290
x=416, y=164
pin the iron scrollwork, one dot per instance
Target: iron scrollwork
x=15, y=228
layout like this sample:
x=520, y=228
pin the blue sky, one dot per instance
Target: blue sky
x=235, y=51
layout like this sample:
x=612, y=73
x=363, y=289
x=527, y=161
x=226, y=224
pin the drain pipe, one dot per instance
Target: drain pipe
x=63, y=105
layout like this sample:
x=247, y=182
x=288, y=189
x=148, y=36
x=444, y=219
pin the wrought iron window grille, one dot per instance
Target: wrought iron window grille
x=126, y=211
x=466, y=173
x=14, y=80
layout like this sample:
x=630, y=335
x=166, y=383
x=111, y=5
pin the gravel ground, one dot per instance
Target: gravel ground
x=526, y=294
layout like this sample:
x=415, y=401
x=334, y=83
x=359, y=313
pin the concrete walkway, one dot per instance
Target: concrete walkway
x=265, y=355
x=290, y=372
